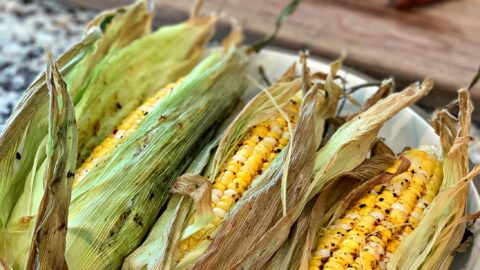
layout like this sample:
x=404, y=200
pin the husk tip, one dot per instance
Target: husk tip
x=235, y=37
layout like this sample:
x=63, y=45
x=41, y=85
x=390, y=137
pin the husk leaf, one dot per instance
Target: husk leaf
x=47, y=249
x=157, y=251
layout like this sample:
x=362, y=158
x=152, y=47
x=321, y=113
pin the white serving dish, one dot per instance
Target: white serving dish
x=407, y=128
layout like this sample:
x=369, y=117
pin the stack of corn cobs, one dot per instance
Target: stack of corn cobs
x=128, y=153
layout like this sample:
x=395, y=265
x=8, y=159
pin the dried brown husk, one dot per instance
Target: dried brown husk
x=386, y=88
x=433, y=243
x=47, y=249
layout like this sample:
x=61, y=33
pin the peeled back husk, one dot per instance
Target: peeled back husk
x=433, y=244
x=239, y=241
x=116, y=203
x=340, y=154
x=348, y=147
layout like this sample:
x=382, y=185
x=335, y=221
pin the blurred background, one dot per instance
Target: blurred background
x=406, y=39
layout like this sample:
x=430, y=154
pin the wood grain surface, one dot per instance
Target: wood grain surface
x=441, y=40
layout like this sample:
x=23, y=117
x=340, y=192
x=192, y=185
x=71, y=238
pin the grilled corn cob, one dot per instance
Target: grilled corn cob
x=117, y=66
x=23, y=142
x=129, y=76
x=370, y=231
x=253, y=155
x=121, y=132
x=145, y=161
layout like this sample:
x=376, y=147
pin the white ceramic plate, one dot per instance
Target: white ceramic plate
x=405, y=129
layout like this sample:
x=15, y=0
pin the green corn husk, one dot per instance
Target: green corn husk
x=251, y=243
x=145, y=165
x=24, y=138
x=159, y=251
x=117, y=43
x=145, y=66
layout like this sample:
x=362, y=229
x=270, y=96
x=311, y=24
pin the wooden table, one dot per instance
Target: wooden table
x=441, y=41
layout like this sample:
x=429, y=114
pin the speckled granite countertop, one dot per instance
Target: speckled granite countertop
x=28, y=27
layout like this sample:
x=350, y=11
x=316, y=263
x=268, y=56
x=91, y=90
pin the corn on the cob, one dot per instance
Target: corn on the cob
x=121, y=132
x=253, y=155
x=23, y=159
x=371, y=230
x=145, y=66
x=152, y=153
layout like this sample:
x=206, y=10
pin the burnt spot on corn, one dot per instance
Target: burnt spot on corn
x=138, y=219
x=62, y=227
x=95, y=127
x=116, y=228
x=162, y=118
